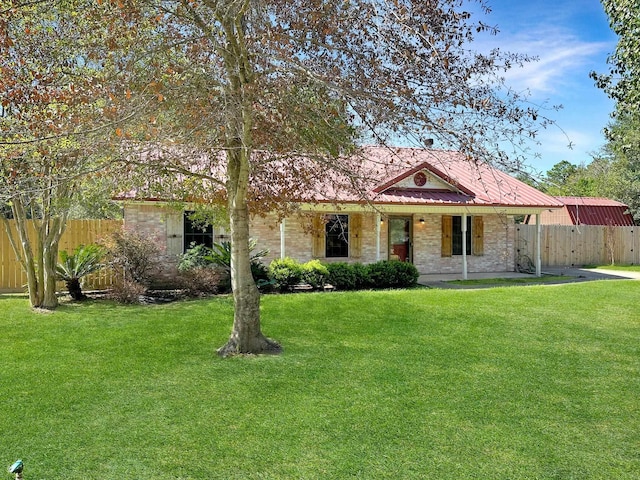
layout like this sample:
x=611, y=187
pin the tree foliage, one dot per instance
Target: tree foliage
x=58, y=101
x=622, y=82
x=249, y=102
x=567, y=179
x=263, y=97
x=614, y=171
x=618, y=164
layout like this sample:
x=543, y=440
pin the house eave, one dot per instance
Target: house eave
x=383, y=208
x=389, y=209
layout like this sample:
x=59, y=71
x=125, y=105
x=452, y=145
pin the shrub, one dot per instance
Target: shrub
x=392, y=274
x=205, y=280
x=342, y=276
x=127, y=291
x=134, y=255
x=196, y=256
x=314, y=273
x=83, y=261
x=348, y=276
x=201, y=264
x=260, y=274
x=285, y=273
x=362, y=276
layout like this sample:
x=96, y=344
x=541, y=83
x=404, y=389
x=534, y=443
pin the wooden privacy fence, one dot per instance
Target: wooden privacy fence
x=78, y=232
x=565, y=245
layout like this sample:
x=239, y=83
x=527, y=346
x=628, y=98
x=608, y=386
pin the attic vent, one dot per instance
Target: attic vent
x=420, y=179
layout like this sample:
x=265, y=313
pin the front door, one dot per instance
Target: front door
x=400, y=239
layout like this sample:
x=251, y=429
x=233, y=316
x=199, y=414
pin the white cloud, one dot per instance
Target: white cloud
x=560, y=58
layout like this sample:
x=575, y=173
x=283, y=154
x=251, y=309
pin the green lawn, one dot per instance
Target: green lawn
x=504, y=383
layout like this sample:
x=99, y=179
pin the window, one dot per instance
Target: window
x=337, y=236
x=195, y=233
x=452, y=235
x=456, y=236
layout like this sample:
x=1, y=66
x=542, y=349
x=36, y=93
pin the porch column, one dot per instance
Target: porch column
x=282, y=230
x=464, y=246
x=378, y=231
x=538, y=246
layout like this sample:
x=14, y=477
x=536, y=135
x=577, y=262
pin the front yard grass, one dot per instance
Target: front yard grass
x=503, y=383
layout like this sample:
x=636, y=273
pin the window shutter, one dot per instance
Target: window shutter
x=355, y=232
x=174, y=229
x=447, y=235
x=478, y=236
x=318, y=236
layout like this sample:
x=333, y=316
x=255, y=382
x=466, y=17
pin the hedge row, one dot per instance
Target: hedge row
x=286, y=273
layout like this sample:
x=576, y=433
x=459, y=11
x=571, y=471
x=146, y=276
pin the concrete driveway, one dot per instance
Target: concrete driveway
x=573, y=274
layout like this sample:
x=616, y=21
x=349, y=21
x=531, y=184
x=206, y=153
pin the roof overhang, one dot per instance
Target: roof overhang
x=387, y=209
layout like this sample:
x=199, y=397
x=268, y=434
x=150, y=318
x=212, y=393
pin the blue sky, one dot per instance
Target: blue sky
x=570, y=38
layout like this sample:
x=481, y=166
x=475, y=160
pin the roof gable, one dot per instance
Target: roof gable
x=465, y=181
x=423, y=177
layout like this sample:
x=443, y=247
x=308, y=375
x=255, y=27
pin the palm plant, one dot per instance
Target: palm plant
x=83, y=261
x=221, y=254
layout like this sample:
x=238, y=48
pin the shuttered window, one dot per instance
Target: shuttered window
x=337, y=236
x=456, y=236
x=196, y=234
x=452, y=235
x=355, y=230
x=447, y=232
x=318, y=236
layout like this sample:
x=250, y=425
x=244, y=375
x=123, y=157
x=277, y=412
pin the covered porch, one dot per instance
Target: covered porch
x=482, y=238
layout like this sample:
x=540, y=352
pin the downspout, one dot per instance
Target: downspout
x=378, y=232
x=538, y=246
x=282, y=231
x=464, y=246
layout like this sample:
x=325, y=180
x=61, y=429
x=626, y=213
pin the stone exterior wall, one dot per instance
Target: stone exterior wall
x=164, y=226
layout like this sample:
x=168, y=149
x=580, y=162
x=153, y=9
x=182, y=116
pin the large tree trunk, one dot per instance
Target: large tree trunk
x=37, y=252
x=246, y=336
x=24, y=251
x=49, y=262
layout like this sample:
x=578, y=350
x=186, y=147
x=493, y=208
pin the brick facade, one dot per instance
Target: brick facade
x=164, y=225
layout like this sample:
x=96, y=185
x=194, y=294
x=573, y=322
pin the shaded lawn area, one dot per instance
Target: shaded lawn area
x=504, y=383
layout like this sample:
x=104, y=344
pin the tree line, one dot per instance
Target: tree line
x=614, y=171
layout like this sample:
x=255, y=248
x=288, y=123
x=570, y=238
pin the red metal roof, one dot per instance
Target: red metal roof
x=472, y=183
x=597, y=211
x=378, y=172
